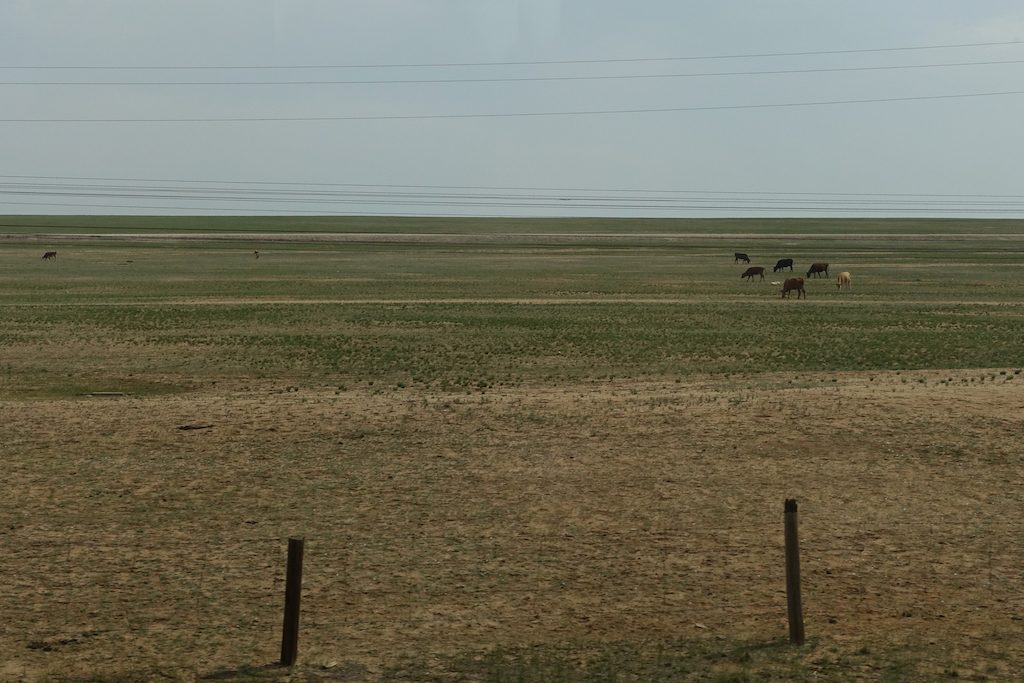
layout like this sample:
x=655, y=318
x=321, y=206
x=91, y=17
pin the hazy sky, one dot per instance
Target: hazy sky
x=715, y=146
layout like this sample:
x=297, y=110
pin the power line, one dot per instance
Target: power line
x=523, y=63
x=448, y=198
x=591, y=112
x=556, y=205
x=408, y=81
x=456, y=200
x=508, y=188
x=518, y=200
x=237, y=211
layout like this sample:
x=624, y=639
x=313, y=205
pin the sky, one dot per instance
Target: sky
x=532, y=107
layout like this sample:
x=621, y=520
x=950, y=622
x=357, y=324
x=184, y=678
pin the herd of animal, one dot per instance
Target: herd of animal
x=791, y=284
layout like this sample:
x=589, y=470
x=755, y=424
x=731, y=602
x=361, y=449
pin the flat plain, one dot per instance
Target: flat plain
x=518, y=450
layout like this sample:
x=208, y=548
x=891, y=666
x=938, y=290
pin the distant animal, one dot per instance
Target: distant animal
x=749, y=273
x=783, y=263
x=793, y=283
x=739, y=256
x=49, y=256
x=257, y=253
x=843, y=280
x=817, y=269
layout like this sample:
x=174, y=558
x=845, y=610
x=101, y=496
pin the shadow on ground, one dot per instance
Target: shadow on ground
x=346, y=671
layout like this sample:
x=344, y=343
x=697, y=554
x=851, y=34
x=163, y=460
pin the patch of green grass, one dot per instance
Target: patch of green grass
x=631, y=300
x=480, y=345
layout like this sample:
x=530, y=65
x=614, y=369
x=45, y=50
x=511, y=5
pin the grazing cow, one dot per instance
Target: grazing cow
x=843, y=280
x=257, y=253
x=817, y=269
x=49, y=256
x=741, y=257
x=793, y=283
x=783, y=263
x=749, y=273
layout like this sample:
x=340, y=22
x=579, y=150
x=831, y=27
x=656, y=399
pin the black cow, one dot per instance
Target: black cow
x=740, y=256
x=749, y=273
x=783, y=263
x=49, y=256
x=817, y=269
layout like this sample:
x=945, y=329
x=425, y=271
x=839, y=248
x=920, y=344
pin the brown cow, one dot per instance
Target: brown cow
x=792, y=283
x=749, y=273
x=49, y=256
x=843, y=280
x=817, y=269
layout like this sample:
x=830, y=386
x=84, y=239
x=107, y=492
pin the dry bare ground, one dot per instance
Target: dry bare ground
x=444, y=524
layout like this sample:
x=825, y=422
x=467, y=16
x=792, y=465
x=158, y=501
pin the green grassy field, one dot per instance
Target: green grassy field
x=522, y=450
x=476, y=313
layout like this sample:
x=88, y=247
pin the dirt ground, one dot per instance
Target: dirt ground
x=440, y=524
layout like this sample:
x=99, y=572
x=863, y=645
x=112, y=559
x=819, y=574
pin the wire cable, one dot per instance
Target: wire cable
x=527, y=63
x=408, y=81
x=590, y=112
x=425, y=198
x=361, y=199
x=510, y=188
x=607, y=207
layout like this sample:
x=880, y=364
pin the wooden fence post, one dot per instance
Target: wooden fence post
x=292, y=598
x=793, y=602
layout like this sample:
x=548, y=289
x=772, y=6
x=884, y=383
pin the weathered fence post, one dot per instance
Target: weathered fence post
x=292, y=597
x=796, y=614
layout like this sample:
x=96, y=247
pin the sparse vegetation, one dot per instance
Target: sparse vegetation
x=476, y=316
x=517, y=453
